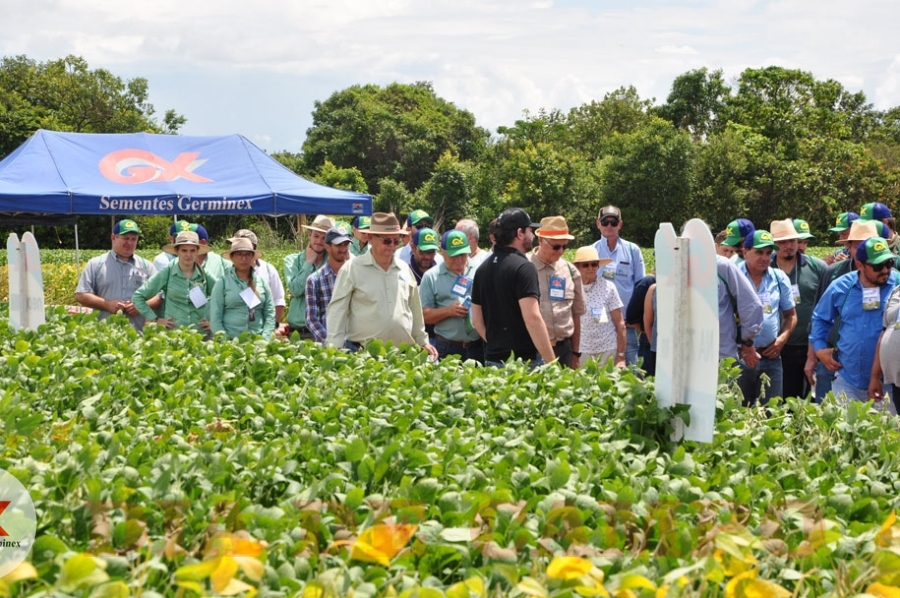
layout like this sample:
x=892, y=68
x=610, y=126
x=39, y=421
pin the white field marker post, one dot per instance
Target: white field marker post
x=26, y=282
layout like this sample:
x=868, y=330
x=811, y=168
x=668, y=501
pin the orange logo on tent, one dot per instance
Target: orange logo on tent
x=134, y=166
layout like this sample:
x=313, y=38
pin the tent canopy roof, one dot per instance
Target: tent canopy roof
x=144, y=173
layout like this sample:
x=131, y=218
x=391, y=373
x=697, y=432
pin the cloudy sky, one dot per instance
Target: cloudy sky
x=256, y=68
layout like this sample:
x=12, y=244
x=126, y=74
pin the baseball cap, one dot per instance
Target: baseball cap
x=426, y=239
x=737, y=230
x=843, y=221
x=336, y=235
x=760, y=239
x=201, y=232
x=455, y=242
x=362, y=222
x=875, y=211
x=126, y=226
x=343, y=224
x=609, y=211
x=417, y=216
x=874, y=250
x=802, y=227
x=181, y=225
x=514, y=219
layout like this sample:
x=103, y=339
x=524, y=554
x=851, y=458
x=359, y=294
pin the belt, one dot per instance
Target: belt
x=561, y=342
x=464, y=345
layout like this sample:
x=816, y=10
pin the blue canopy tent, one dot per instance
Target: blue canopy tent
x=141, y=173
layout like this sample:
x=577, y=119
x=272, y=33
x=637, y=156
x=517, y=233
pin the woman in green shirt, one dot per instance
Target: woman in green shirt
x=185, y=285
x=242, y=301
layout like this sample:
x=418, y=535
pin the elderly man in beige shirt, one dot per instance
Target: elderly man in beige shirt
x=562, y=294
x=376, y=295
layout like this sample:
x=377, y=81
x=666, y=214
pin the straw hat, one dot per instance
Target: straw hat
x=554, y=227
x=186, y=237
x=241, y=244
x=783, y=230
x=321, y=223
x=385, y=224
x=589, y=254
x=860, y=231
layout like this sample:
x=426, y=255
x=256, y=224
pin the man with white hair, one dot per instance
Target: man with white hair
x=470, y=227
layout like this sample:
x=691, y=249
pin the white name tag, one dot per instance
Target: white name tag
x=197, y=297
x=250, y=298
x=795, y=293
x=871, y=299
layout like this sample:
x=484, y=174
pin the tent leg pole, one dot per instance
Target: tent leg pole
x=77, y=250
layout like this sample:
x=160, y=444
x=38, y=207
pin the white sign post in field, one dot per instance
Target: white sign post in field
x=687, y=358
x=26, y=283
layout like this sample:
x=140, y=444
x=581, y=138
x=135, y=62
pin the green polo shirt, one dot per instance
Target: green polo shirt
x=806, y=274
x=436, y=291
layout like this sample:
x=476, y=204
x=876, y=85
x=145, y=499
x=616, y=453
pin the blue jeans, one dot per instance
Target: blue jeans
x=849, y=392
x=750, y=381
x=631, y=346
x=444, y=349
x=824, y=380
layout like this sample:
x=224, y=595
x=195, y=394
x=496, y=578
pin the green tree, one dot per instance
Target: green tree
x=392, y=197
x=592, y=126
x=66, y=95
x=696, y=102
x=446, y=194
x=397, y=132
x=349, y=179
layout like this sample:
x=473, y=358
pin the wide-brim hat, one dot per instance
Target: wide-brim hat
x=783, y=230
x=186, y=237
x=244, y=233
x=554, y=227
x=860, y=230
x=320, y=223
x=589, y=253
x=385, y=223
x=241, y=244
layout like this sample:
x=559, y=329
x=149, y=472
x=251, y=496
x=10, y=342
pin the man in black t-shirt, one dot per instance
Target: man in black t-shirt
x=505, y=295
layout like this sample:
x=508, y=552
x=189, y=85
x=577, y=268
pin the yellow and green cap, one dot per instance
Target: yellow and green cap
x=760, y=239
x=874, y=250
x=802, y=228
x=455, y=242
x=426, y=239
x=126, y=226
x=843, y=221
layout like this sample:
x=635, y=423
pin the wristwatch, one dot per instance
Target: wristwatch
x=747, y=342
x=576, y=353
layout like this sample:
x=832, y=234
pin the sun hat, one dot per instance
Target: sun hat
x=455, y=242
x=514, y=219
x=320, y=223
x=126, y=226
x=783, y=230
x=417, y=216
x=802, y=227
x=186, y=237
x=336, y=236
x=874, y=250
x=589, y=253
x=385, y=223
x=426, y=239
x=860, y=231
x=362, y=222
x=738, y=230
x=241, y=244
x=554, y=227
x=843, y=221
x=609, y=211
x=244, y=233
x=875, y=211
x=760, y=239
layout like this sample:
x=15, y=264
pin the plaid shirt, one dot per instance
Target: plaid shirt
x=319, y=287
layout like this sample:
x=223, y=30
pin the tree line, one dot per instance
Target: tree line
x=775, y=143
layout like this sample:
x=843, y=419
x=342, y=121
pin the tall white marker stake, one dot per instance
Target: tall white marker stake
x=26, y=283
x=687, y=358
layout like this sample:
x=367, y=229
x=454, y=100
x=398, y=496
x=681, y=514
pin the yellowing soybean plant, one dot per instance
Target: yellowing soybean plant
x=169, y=466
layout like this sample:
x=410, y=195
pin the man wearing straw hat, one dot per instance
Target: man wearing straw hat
x=804, y=273
x=376, y=296
x=562, y=294
x=298, y=267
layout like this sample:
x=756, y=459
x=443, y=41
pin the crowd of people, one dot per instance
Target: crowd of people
x=810, y=325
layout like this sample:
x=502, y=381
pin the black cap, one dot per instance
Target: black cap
x=514, y=219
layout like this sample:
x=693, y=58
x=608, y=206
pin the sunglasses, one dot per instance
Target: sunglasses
x=556, y=247
x=588, y=264
x=390, y=241
x=610, y=222
x=879, y=267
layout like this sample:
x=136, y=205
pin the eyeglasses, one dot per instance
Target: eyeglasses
x=556, y=247
x=587, y=264
x=610, y=222
x=390, y=241
x=879, y=267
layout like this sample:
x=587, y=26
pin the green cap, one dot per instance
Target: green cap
x=126, y=226
x=843, y=221
x=344, y=226
x=760, y=239
x=417, y=216
x=426, y=239
x=455, y=242
x=874, y=250
x=802, y=228
x=362, y=222
x=738, y=230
